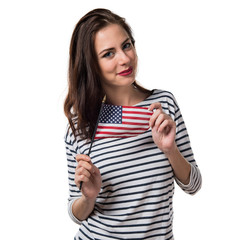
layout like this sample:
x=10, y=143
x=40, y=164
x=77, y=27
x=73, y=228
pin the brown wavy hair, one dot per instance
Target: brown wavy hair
x=85, y=92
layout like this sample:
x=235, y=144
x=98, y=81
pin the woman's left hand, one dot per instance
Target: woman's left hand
x=163, y=129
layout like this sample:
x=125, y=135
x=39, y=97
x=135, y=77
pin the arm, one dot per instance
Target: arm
x=82, y=208
x=90, y=176
x=80, y=204
x=181, y=167
x=164, y=131
x=175, y=144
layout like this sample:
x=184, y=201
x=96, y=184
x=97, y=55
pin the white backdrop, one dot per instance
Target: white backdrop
x=190, y=48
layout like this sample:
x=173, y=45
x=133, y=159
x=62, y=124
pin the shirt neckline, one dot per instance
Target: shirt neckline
x=152, y=91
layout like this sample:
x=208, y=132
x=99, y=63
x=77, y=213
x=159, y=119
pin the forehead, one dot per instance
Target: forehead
x=110, y=36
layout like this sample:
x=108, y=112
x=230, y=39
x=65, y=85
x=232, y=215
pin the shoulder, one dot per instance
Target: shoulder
x=69, y=136
x=72, y=141
x=162, y=96
x=167, y=100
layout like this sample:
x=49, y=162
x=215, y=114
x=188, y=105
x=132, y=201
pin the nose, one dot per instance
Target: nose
x=123, y=58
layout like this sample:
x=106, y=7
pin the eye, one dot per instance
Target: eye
x=108, y=55
x=127, y=45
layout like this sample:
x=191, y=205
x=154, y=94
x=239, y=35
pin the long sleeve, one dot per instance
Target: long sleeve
x=71, y=152
x=184, y=146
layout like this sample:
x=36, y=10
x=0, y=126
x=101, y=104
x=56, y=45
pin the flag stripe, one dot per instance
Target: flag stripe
x=134, y=112
x=119, y=133
x=135, y=118
x=133, y=123
x=112, y=136
x=121, y=128
x=133, y=107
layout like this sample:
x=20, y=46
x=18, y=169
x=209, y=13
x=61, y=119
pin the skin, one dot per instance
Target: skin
x=163, y=133
x=115, y=54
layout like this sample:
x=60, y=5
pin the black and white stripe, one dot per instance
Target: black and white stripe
x=135, y=201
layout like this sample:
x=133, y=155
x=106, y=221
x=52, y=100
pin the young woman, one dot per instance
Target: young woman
x=124, y=189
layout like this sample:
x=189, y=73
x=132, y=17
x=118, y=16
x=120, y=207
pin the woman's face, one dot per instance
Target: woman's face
x=116, y=56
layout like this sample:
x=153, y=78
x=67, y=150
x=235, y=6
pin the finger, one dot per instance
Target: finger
x=80, y=179
x=83, y=157
x=86, y=165
x=166, y=125
x=83, y=171
x=156, y=105
x=161, y=117
x=82, y=175
x=154, y=117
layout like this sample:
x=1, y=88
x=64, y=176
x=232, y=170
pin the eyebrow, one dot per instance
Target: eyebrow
x=110, y=49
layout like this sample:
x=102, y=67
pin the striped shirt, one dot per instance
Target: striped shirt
x=135, y=201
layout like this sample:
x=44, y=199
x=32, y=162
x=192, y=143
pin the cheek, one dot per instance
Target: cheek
x=135, y=60
x=134, y=57
x=107, y=67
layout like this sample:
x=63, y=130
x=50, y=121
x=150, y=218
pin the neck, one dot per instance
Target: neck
x=124, y=96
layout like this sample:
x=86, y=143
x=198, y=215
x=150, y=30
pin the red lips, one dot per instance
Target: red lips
x=126, y=72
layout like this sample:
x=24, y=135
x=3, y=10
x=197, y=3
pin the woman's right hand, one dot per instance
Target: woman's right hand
x=89, y=175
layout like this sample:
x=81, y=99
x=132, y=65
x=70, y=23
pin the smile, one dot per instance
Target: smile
x=126, y=72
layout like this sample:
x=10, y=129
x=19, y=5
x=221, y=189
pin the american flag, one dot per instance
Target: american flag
x=122, y=121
